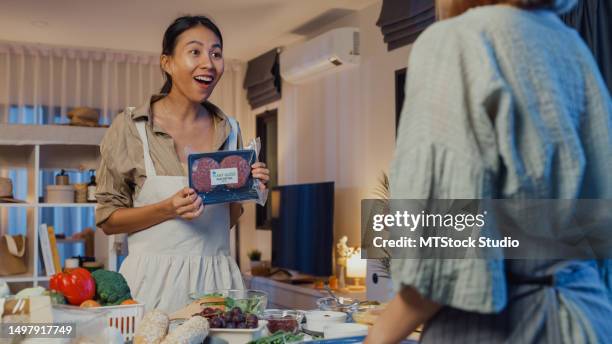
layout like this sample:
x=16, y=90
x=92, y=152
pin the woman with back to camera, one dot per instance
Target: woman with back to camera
x=177, y=245
x=502, y=101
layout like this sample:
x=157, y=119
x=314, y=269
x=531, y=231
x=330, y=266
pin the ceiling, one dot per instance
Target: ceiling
x=249, y=27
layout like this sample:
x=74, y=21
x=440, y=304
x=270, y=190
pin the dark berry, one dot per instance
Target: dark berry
x=216, y=322
x=252, y=323
x=238, y=318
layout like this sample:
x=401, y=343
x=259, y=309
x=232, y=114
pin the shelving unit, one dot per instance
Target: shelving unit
x=48, y=147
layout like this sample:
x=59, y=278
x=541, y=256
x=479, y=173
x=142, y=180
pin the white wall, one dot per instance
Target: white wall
x=339, y=128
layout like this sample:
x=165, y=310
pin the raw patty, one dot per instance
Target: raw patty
x=244, y=170
x=201, y=174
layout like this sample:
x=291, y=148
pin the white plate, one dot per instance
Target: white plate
x=345, y=330
x=318, y=320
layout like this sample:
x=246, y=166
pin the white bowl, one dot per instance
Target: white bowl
x=318, y=320
x=345, y=330
x=239, y=336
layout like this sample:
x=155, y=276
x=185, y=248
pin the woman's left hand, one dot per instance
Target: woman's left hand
x=259, y=171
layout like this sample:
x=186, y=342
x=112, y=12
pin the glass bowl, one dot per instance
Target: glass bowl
x=348, y=305
x=283, y=320
x=248, y=300
x=367, y=314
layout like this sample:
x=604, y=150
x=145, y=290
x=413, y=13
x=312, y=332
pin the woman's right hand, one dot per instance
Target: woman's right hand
x=185, y=204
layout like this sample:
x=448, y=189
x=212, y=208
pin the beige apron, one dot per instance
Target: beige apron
x=170, y=260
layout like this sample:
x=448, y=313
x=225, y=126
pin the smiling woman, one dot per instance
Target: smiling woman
x=191, y=50
x=172, y=238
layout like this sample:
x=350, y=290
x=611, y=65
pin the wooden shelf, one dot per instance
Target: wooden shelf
x=69, y=241
x=66, y=205
x=48, y=205
x=17, y=205
x=27, y=277
x=23, y=134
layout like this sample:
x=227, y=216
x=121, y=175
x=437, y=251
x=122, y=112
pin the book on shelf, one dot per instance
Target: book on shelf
x=45, y=249
x=56, y=259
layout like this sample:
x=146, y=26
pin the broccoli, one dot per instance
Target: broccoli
x=111, y=287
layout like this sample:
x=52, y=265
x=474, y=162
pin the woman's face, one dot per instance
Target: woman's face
x=196, y=65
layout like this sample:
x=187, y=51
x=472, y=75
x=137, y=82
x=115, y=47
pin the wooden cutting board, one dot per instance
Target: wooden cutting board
x=187, y=311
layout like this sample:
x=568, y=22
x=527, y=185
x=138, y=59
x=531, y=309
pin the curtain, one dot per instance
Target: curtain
x=402, y=21
x=52, y=80
x=263, y=80
x=591, y=18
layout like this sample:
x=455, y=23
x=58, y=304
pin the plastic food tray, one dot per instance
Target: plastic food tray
x=124, y=317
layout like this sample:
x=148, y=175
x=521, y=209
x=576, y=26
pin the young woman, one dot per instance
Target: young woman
x=176, y=244
x=502, y=101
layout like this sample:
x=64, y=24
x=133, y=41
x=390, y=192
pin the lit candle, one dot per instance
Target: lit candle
x=355, y=266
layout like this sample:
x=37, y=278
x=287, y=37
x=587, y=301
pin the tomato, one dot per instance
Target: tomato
x=76, y=285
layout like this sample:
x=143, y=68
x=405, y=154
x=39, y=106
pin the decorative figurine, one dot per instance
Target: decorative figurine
x=343, y=251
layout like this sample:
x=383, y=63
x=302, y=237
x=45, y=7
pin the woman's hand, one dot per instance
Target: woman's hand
x=185, y=204
x=259, y=171
x=406, y=311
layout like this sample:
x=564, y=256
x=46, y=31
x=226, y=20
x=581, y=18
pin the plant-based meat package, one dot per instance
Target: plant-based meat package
x=223, y=176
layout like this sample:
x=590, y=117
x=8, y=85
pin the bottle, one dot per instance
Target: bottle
x=71, y=264
x=62, y=178
x=91, y=188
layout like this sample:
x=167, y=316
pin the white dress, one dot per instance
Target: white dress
x=170, y=260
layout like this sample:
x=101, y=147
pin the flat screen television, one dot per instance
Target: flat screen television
x=303, y=228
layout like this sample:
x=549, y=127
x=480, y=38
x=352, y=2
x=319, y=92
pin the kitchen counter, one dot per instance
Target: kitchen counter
x=292, y=296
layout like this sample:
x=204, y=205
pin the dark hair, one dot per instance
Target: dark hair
x=458, y=7
x=172, y=33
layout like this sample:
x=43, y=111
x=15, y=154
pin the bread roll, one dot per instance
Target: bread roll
x=152, y=329
x=192, y=331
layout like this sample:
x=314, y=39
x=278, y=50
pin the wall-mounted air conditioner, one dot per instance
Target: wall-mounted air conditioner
x=330, y=52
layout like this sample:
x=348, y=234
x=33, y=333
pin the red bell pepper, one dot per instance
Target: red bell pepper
x=76, y=284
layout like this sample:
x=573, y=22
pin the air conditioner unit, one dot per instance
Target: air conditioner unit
x=330, y=52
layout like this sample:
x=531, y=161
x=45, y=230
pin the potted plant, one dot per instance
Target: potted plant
x=254, y=255
x=379, y=284
x=258, y=268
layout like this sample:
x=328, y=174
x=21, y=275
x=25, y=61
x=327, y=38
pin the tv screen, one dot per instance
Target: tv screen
x=303, y=228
